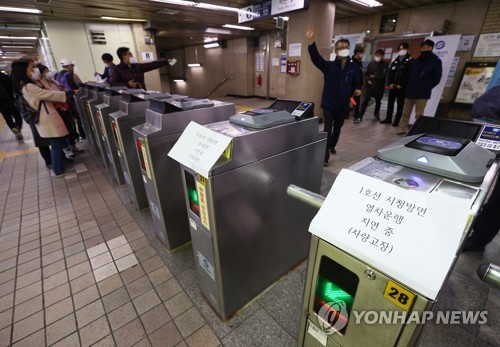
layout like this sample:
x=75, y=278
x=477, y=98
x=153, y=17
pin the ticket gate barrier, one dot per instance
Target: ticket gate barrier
x=79, y=99
x=110, y=104
x=334, y=275
x=97, y=94
x=132, y=112
x=165, y=122
x=245, y=233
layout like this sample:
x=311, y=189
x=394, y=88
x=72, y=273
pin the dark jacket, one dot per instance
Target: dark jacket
x=425, y=73
x=339, y=84
x=398, y=70
x=6, y=84
x=487, y=105
x=376, y=73
x=108, y=70
x=122, y=74
x=360, y=64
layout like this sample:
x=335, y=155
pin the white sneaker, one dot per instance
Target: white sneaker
x=68, y=153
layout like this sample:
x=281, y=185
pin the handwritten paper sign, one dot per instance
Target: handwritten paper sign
x=409, y=235
x=199, y=148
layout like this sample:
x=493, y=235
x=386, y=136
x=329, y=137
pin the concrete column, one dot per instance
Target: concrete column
x=151, y=78
x=308, y=85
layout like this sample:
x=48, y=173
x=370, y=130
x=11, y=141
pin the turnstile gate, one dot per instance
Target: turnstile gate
x=165, y=122
x=132, y=112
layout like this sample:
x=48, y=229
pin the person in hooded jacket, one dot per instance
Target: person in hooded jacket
x=424, y=74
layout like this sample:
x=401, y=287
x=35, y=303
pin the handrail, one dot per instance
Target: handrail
x=304, y=195
x=218, y=85
x=489, y=273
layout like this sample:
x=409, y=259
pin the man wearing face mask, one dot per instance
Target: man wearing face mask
x=130, y=73
x=375, y=75
x=342, y=80
x=424, y=74
x=396, y=80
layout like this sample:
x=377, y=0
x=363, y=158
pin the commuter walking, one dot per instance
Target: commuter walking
x=9, y=112
x=342, y=80
x=375, y=76
x=397, y=78
x=129, y=73
x=357, y=59
x=50, y=124
x=424, y=74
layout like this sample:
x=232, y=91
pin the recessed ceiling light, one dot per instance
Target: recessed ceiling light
x=367, y=3
x=124, y=19
x=211, y=45
x=18, y=38
x=239, y=27
x=194, y=65
x=19, y=9
x=16, y=28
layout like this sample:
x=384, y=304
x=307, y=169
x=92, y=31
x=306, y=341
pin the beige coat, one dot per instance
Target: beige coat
x=51, y=123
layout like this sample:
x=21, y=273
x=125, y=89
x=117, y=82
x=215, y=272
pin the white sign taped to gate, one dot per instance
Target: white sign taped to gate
x=199, y=148
x=411, y=236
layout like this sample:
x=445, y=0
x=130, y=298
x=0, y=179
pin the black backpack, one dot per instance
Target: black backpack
x=29, y=115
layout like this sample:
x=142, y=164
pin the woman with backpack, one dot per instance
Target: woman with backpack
x=49, y=124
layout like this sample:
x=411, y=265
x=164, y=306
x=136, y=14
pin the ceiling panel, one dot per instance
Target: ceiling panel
x=176, y=26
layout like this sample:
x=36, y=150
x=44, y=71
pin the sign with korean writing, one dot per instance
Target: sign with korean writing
x=411, y=236
x=488, y=45
x=284, y=6
x=251, y=12
x=199, y=148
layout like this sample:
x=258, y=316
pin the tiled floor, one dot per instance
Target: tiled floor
x=79, y=266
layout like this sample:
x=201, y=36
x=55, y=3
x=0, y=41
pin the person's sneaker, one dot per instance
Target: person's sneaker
x=401, y=132
x=333, y=151
x=325, y=164
x=472, y=247
x=68, y=153
x=60, y=175
x=357, y=120
x=386, y=121
x=377, y=117
x=395, y=124
x=17, y=133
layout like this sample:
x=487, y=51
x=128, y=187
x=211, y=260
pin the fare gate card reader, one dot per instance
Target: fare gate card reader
x=280, y=112
x=177, y=103
x=456, y=158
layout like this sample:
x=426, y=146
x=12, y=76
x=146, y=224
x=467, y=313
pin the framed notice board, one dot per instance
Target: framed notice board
x=475, y=79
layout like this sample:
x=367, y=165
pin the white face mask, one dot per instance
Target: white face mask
x=133, y=60
x=343, y=53
x=35, y=75
x=49, y=75
x=377, y=59
x=75, y=69
x=402, y=52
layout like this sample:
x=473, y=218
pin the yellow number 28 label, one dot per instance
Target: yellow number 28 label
x=399, y=295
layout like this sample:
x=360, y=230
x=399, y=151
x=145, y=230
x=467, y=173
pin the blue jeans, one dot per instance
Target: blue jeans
x=57, y=154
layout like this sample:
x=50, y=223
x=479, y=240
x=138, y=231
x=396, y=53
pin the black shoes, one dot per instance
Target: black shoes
x=333, y=151
x=386, y=121
x=395, y=124
x=471, y=246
